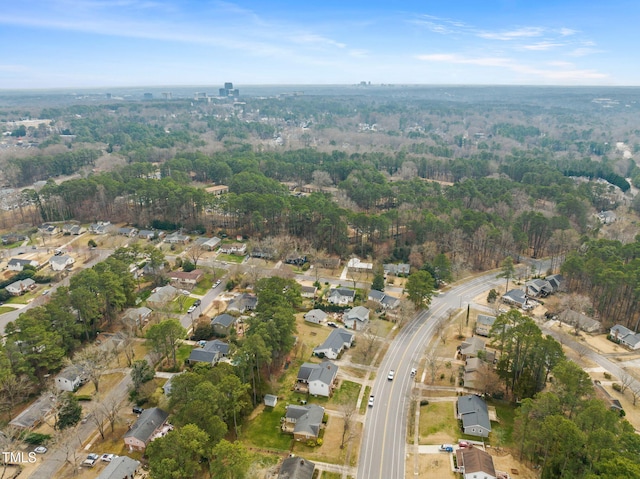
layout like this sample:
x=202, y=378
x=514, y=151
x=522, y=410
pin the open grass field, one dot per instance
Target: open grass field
x=264, y=430
x=438, y=424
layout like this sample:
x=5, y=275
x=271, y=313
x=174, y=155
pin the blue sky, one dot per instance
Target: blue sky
x=99, y=43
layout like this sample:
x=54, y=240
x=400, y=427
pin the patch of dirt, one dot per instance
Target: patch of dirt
x=507, y=463
x=429, y=465
x=439, y=437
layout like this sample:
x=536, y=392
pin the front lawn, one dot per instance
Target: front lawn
x=230, y=258
x=438, y=424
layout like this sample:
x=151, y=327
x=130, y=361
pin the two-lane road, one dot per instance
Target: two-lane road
x=383, y=450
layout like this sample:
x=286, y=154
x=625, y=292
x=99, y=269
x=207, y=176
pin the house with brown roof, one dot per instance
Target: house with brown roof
x=475, y=463
x=182, y=279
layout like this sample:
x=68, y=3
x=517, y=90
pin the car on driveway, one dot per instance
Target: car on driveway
x=463, y=444
x=91, y=460
x=137, y=410
x=191, y=309
x=371, y=399
x=331, y=324
x=40, y=450
x=390, y=375
x=446, y=448
x=107, y=457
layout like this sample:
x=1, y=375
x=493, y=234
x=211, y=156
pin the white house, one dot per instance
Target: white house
x=618, y=333
x=69, y=379
x=320, y=378
x=18, y=264
x=356, y=318
x=339, y=340
x=316, y=316
x=59, y=263
x=341, y=296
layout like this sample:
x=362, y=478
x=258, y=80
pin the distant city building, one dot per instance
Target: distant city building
x=148, y=96
x=228, y=90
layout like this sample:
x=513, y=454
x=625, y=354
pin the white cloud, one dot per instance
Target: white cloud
x=311, y=38
x=525, y=32
x=542, y=46
x=566, y=32
x=559, y=71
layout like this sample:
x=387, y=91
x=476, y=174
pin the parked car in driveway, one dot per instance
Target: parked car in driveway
x=91, y=460
x=40, y=450
x=446, y=448
x=107, y=457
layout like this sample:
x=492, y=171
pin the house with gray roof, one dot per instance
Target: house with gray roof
x=100, y=228
x=473, y=412
x=60, y=263
x=556, y=281
x=341, y=296
x=515, y=297
x=308, y=291
x=209, y=244
x=304, y=422
x=580, y=321
x=242, y=303
x=121, y=467
x=397, y=269
x=538, y=288
x=470, y=347
x=296, y=468
x=177, y=238
x=147, y=234
x=128, y=232
x=376, y=296
x=390, y=302
x=339, y=340
x=316, y=316
x=320, y=379
x=69, y=379
x=210, y=353
x=18, y=264
x=139, y=316
x=20, y=287
x=625, y=336
x=73, y=229
x=356, y=318
x=162, y=296
x=34, y=415
x=151, y=424
x=222, y=324
x=484, y=323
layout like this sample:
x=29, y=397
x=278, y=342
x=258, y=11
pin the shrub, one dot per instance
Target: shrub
x=319, y=441
x=424, y=402
x=83, y=397
x=36, y=438
x=607, y=375
x=616, y=387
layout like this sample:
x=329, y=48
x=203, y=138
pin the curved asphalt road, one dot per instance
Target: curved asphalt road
x=382, y=454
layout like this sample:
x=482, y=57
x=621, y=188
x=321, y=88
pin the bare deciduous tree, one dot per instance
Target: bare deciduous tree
x=625, y=381
x=348, y=412
x=369, y=340
x=432, y=363
x=93, y=361
x=195, y=252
